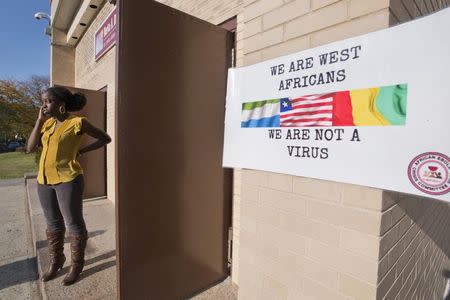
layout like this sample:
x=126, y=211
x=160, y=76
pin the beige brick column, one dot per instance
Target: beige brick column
x=301, y=238
x=62, y=60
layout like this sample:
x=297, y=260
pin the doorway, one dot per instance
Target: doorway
x=173, y=196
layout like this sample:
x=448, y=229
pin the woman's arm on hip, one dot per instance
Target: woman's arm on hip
x=102, y=137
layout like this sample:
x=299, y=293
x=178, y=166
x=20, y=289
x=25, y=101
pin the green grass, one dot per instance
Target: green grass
x=16, y=164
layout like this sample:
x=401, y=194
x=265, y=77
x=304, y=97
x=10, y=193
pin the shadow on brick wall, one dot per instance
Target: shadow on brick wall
x=432, y=216
x=429, y=262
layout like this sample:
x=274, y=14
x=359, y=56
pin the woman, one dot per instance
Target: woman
x=60, y=176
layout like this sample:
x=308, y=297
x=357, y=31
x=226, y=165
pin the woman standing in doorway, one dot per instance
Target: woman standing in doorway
x=60, y=176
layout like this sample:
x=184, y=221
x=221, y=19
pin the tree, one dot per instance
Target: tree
x=19, y=105
x=34, y=87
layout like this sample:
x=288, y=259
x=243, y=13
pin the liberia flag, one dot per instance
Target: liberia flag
x=313, y=110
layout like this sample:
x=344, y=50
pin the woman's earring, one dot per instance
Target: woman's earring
x=62, y=109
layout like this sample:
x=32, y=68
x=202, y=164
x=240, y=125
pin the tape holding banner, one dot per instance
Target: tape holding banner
x=370, y=110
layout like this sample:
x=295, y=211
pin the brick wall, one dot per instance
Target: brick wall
x=302, y=238
x=95, y=75
x=277, y=27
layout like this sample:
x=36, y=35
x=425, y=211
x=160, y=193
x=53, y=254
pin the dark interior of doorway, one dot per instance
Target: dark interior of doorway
x=173, y=196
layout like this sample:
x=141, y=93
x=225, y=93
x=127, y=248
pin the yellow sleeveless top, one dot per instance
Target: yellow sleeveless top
x=58, y=161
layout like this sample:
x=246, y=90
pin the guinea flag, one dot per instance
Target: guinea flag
x=342, y=109
x=381, y=106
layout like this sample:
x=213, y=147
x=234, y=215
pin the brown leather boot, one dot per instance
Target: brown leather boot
x=77, y=247
x=56, y=258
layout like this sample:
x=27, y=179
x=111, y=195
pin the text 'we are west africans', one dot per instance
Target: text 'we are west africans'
x=304, y=64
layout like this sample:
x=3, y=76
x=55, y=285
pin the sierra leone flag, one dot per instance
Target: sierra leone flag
x=261, y=114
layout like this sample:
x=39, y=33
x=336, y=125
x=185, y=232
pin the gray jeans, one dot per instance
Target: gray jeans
x=63, y=202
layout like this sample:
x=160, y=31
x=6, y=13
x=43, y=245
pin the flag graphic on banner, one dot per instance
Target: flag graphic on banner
x=314, y=110
x=261, y=114
x=366, y=107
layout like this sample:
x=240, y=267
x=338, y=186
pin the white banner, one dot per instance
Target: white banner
x=371, y=110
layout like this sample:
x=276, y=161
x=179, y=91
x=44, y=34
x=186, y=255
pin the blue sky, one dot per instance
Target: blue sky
x=24, y=48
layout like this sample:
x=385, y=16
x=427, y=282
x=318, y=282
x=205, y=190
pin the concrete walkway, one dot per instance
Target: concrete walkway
x=98, y=280
x=225, y=290
x=18, y=273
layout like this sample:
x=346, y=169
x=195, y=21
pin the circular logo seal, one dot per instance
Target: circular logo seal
x=429, y=172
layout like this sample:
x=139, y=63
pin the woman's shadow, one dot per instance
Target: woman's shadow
x=18, y=272
x=91, y=271
x=100, y=267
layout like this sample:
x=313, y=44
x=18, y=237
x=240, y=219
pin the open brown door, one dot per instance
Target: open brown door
x=173, y=196
x=94, y=162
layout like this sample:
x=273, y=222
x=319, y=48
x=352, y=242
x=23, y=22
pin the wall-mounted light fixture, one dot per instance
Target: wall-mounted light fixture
x=41, y=15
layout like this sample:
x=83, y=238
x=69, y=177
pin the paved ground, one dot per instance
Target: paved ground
x=98, y=280
x=23, y=251
x=18, y=273
x=225, y=290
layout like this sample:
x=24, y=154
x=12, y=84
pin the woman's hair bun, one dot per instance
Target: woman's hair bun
x=76, y=102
